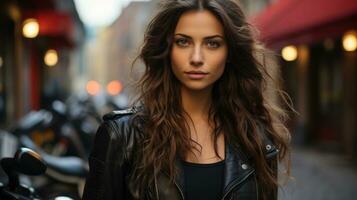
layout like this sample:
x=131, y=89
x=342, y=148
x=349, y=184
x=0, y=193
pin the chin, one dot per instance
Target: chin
x=197, y=87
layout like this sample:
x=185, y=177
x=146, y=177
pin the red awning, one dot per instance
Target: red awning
x=54, y=24
x=305, y=21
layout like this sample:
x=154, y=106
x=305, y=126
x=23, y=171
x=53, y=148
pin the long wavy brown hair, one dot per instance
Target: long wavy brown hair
x=239, y=107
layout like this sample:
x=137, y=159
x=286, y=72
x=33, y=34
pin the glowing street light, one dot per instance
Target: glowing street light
x=30, y=28
x=289, y=53
x=51, y=57
x=114, y=88
x=349, y=41
x=93, y=87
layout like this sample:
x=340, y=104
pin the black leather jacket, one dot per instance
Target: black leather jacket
x=109, y=166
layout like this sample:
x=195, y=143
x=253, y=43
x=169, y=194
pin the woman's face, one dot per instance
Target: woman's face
x=199, y=51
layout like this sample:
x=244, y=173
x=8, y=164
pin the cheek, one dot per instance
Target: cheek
x=219, y=62
x=177, y=59
x=220, y=70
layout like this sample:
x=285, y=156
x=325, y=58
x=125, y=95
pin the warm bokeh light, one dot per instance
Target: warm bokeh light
x=114, y=88
x=109, y=11
x=51, y=57
x=1, y=62
x=349, y=41
x=93, y=87
x=289, y=53
x=30, y=28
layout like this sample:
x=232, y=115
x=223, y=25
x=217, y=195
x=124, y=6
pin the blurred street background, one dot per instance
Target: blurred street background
x=64, y=63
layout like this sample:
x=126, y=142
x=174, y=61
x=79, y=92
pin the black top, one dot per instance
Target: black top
x=203, y=181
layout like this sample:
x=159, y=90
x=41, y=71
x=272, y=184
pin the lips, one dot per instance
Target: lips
x=196, y=74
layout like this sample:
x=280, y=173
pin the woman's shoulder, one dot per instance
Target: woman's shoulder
x=117, y=114
x=120, y=123
x=116, y=133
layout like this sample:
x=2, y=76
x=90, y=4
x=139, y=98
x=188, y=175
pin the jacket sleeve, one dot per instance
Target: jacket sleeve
x=106, y=179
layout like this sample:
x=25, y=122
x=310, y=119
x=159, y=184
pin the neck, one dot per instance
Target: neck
x=196, y=103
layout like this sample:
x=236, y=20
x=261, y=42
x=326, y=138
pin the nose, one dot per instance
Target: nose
x=196, y=59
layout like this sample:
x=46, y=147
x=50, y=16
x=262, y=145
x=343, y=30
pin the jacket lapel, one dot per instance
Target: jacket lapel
x=237, y=168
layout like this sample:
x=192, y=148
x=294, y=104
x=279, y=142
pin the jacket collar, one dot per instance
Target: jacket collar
x=237, y=166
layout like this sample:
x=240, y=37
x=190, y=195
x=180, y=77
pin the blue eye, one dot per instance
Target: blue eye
x=182, y=42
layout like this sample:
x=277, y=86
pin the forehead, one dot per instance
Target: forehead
x=199, y=23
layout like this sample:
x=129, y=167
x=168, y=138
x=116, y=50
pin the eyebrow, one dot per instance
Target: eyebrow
x=208, y=37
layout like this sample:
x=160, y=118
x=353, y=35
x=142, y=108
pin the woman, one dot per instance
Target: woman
x=203, y=130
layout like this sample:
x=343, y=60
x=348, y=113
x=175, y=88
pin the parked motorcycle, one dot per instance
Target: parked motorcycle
x=26, y=162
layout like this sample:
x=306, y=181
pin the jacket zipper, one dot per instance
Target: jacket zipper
x=236, y=184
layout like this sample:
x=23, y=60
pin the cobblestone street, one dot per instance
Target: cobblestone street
x=320, y=176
